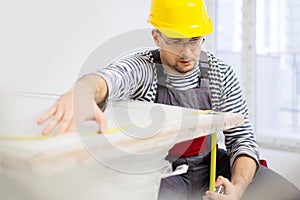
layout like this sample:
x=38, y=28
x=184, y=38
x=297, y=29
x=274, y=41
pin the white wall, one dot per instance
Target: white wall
x=44, y=43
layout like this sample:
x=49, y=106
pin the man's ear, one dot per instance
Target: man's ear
x=155, y=36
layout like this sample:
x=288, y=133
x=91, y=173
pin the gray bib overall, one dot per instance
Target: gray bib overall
x=192, y=152
x=197, y=98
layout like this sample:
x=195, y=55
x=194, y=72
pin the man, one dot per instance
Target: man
x=180, y=73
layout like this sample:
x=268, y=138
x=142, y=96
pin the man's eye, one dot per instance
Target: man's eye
x=194, y=41
x=176, y=41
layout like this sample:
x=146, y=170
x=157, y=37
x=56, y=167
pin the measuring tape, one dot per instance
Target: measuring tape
x=47, y=137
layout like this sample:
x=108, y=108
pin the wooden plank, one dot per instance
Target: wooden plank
x=136, y=131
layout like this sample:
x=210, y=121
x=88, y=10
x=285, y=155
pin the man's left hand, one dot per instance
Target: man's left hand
x=232, y=192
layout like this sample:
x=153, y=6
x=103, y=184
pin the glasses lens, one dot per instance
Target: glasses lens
x=178, y=44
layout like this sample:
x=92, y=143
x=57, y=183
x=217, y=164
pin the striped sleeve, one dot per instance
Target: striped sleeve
x=130, y=78
x=227, y=97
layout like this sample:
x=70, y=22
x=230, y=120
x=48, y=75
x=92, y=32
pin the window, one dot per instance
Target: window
x=277, y=70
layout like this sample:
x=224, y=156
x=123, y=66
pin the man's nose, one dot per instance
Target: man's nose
x=186, y=50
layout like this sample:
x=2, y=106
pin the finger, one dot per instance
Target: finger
x=47, y=115
x=50, y=127
x=222, y=181
x=65, y=123
x=102, y=123
x=219, y=181
x=103, y=126
x=71, y=128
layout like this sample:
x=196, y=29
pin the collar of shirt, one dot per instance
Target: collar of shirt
x=183, y=82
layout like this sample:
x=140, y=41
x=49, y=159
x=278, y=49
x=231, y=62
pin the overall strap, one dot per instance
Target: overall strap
x=204, y=65
x=161, y=77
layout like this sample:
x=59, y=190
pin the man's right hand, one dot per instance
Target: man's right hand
x=60, y=116
x=74, y=107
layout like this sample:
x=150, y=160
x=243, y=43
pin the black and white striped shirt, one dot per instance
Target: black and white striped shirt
x=135, y=77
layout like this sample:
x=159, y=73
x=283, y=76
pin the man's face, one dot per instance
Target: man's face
x=178, y=55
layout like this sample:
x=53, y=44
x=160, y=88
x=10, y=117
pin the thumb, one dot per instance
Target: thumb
x=101, y=121
x=223, y=181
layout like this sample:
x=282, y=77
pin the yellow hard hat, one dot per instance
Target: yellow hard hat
x=180, y=18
